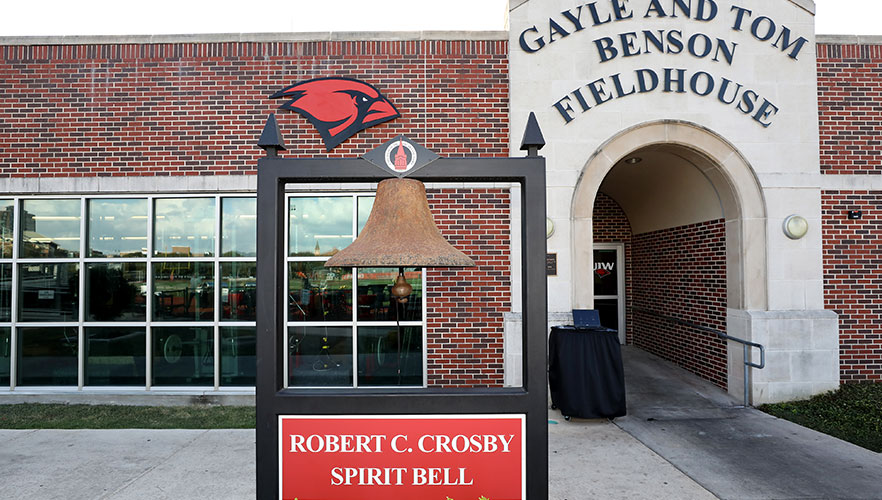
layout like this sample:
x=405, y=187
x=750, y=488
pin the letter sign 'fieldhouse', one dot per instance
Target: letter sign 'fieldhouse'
x=402, y=456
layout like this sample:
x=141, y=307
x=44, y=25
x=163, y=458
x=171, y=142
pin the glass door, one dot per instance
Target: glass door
x=609, y=286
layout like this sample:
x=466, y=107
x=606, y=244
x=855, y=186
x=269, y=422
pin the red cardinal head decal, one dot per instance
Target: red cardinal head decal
x=338, y=107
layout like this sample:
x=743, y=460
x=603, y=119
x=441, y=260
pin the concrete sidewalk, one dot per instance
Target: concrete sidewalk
x=682, y=439
x=589, y=459
x=734, y=452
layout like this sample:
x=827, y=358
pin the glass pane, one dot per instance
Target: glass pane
x=117, y=228
x=5, y=353
x=5, y=292
x=319, y=356
x=47, y=356
x=116, y=356
x=609, y=312
x=116, y=291
x=48, y=292
x=7, y=221
x=386, y=359
x=365, y=204
x=183, y=291
x=184, y=227
x=50, y=228
x=238, y=355
x=606, y=281
x=319, y=226
x=183, y=356
x=239, y=291
x=239, y=230
x=374, y=285
x=317, y=293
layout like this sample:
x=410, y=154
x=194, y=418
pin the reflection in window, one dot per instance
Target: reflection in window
x=319, y=226
x=47, y=356
x=48, y=292
x=183, y=291
x=7, y=221
x=183, y=356
x=239, y=291
x=5, y=292
x=116, y=291
x=115, y=356
x=117, y=228
x=319, y=356
x=317, y=293
x=50, y=228
x=184, y=227
x=239, y=227
x=238, y=355
x=387, y=360
x=374, y=295
x=5, y=353
x=365, y=204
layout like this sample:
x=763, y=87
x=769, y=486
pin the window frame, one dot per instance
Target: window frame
x=353, y=322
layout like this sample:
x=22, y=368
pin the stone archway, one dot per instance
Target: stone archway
x=740, y=197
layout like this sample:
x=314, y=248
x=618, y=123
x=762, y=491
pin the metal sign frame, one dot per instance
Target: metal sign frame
x=273, y=398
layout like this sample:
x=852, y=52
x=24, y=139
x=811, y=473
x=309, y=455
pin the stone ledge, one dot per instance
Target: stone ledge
x=849, y=39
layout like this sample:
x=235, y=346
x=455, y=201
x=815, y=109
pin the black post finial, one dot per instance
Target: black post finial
x=271, y=138
x=533, y=140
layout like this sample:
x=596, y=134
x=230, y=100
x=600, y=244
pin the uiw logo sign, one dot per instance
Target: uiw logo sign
x=604, y=269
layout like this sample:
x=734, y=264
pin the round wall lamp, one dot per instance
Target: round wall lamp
x=795, y=227
x=549, y=228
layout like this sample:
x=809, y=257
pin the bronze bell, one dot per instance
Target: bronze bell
x=400, y=232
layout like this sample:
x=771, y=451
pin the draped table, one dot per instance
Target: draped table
x=585, y=372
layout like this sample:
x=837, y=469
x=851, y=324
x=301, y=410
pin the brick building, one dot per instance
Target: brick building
x=679, y=141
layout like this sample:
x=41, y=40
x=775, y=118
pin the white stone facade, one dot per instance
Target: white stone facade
x=587, y=70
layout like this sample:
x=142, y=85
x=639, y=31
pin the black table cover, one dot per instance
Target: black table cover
x=585, y=372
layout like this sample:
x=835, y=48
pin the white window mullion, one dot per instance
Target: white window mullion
x=81, y=306
x=217, y=292
x=13, y=313
x=148, y=337
x=285, y=293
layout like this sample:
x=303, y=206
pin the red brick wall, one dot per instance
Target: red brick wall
x=849, y=92
x=681, y=273
x=611, y=225
x=198, y=108
x=853, y=279
x=466, y=306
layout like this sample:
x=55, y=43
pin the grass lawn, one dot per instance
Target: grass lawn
x=60, y=416
x=853, y=413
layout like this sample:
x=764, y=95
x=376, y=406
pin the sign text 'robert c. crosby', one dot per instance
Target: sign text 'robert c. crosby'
x=380, y=457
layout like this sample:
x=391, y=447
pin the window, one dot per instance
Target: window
x=344, y=330
x=128, y=291
x=161, y=292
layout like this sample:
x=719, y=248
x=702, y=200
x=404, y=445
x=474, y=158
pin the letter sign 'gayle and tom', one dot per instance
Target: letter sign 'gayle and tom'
x=677, y=40
x=461, y=456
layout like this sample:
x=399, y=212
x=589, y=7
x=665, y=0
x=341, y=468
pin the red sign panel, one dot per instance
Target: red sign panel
x=425, y=457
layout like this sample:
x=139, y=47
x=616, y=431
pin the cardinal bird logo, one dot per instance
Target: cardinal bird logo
x=338, y=107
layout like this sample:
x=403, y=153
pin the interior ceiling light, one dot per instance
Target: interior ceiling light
x=633, y=160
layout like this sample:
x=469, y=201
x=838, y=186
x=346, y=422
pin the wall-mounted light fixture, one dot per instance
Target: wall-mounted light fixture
x=795, y=227
x=549, y=228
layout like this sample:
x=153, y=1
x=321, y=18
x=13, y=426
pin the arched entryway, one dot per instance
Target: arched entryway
x=696, y=248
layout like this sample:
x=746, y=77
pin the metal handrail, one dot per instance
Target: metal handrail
x=746, y=344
